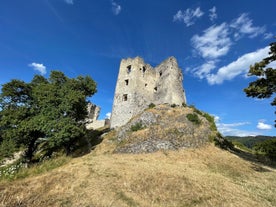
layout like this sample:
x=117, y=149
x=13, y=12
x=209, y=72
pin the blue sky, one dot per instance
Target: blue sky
x=213, y=41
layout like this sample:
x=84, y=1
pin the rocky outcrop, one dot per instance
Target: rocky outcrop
x=164, y=128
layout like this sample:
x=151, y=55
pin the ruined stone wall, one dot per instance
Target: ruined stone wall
x=139, y=84
x=92, y=121
x=93, y=112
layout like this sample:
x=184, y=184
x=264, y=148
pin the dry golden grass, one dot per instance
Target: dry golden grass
x=206, y=176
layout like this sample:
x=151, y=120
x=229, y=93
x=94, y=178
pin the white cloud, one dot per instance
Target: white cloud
x=232, y=128
x=238, y=67
x=261, y=125
x=268, y=36
x=108, y=115
x=215, y=41
x=69, y=1
x=205, y=69
x=188, y=16
x=38, y=67
x=245, y=26
x=116, y=8
x=212, y=14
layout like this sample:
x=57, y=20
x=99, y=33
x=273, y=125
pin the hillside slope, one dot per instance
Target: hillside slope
x=205, y=176
x=183, y=169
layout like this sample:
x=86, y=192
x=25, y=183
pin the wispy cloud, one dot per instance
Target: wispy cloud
x=261, y=125
x=244, y=26
x=116, y=8
x=69, y=1
x=38, y=67
x=188, y=16
x=214, y=42
x=212, y=14
x=268, y=36
x=237, y=67
x=232, y=129
x=205, y=69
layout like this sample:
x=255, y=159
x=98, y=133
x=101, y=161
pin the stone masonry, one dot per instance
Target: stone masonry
x=92, y=121
x=139, y=85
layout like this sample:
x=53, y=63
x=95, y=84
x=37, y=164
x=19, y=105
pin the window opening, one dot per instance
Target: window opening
x=155, y=89
x=160, y=73
x=129, y=69
x=126, y=81
x=144, y=69
x=146, y=85
x=125, y=97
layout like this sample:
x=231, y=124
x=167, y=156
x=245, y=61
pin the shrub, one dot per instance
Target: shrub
x=184, y=105
x=193, y=118
x=211, y=121
x=223, y=143
x=136, y=127
x=268, y=148
x=152, y=105
x=173, y=105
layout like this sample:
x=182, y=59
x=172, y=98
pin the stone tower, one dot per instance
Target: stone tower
x=139, y=85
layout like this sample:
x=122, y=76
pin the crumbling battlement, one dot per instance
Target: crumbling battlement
x=139, y=84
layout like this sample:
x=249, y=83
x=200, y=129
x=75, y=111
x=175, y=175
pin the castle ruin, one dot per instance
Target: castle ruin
x=139, y=85
x=92, y=122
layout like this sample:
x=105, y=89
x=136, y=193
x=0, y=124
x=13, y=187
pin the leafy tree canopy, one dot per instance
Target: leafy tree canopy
x=267, y=147
x=265, y=85
x=46, y=112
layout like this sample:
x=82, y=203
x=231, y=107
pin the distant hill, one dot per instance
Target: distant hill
x=249, y=141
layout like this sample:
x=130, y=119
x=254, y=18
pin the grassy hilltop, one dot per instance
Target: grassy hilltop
x=203, y=175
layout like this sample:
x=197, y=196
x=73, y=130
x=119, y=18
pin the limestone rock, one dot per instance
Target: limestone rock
x=162, y=128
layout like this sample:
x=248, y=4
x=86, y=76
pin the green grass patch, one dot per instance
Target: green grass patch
x=193, y=118
x=211, y=120
x=19, y=169
x=136, y=127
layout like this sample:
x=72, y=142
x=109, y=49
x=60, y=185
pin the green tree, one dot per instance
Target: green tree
x=268, y=147
x=265, y=85
x=45, y=112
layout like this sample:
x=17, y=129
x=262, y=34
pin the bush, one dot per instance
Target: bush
x=136, y=127
x=184, y=105
x=152, y=105
x=211, y=121
x=173, y=105
x=223, y=143
x=268, y=148
x=193, y=118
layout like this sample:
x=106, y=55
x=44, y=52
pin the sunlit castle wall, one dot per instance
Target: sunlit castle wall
x=139, y=84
